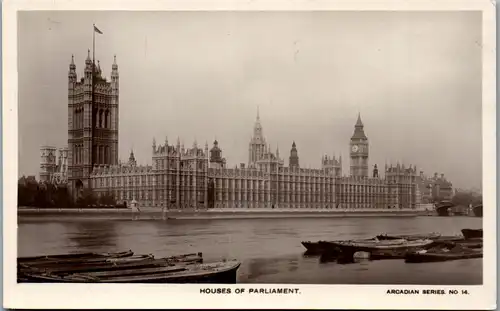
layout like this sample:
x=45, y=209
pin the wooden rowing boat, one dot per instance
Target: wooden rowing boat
x=443, y=254
x=219, y=272
x=320, y=247
x=347, y=249
x=77, y=256
x=27, y=269
x=409, y=237
x=472, y=233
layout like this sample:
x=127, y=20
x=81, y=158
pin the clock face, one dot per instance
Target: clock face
x=355, y=148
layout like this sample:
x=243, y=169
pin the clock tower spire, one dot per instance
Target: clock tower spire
x=359, y=151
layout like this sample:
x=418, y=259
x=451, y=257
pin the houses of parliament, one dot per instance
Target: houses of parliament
x=197, y=176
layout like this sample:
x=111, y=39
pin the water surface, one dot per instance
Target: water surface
x=269, y=249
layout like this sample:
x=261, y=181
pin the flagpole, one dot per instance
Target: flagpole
x=93, y=44
x=93, y=97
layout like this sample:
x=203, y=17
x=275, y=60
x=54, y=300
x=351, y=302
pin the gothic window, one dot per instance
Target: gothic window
x=106, y=119
x=100, y=118
x=106, y=155
x=78, y=154
x=75, y=119
x=94, y=117
x=94, y=154
x=81, y=153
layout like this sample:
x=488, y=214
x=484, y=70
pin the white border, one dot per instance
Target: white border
x=34, y=296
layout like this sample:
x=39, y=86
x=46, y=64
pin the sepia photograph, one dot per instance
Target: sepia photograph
x=268, y=149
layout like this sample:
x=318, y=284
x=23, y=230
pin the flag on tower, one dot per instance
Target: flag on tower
x=97, y=30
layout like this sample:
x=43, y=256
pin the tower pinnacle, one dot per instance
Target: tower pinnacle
x=114, y=67
x=359, y=123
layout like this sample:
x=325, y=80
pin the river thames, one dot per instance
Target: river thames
x=269, y=249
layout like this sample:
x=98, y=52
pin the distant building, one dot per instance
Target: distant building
x=436, y=188
x=53, y=165
x=48, y=164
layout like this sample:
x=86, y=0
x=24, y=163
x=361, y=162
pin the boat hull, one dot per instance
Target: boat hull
x=437, y=257
x=472, y=233
x=38, y=269
x=75, y=257
x=313, y=248
x=222, y=276
x=409, y=237
x=388, y=250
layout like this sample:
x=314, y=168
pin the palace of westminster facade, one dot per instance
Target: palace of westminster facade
x=197, y=177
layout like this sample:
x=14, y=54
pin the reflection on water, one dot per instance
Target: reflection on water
x=270, y=249
x=89, y=235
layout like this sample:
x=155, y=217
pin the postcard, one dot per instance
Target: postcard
x=249, y=154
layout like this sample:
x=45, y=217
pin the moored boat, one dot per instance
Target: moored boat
x=409, y=237
x=472, y=233
x=219, y=272
x=320, y=247
x=27, y=270
x=443, y=254
x=348, y=248
x=313, y=248
x=77, y=256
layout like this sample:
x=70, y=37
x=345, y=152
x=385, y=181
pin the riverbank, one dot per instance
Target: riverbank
x=156, y=213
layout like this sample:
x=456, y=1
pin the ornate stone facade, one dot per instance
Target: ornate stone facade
x=92, y=122
x=199, y=178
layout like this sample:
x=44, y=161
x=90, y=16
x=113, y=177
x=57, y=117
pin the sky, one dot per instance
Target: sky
x=415, y=78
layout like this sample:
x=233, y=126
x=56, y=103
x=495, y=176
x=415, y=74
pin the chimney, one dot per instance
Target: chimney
x=442, y=176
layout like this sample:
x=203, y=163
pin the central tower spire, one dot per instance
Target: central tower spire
x=257, y=144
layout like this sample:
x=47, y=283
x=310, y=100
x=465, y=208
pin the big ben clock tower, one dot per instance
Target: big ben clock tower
x=359, y=151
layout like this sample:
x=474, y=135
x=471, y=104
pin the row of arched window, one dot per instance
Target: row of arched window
x=101, y=117
x=78, y=154
x=78, y=118
x=101, y=155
